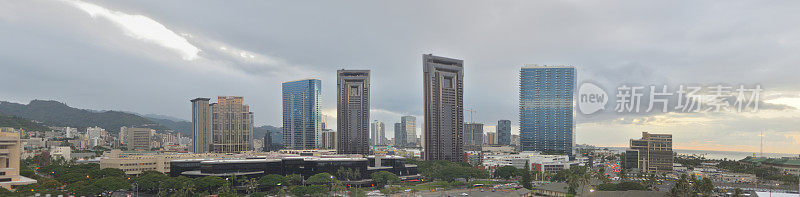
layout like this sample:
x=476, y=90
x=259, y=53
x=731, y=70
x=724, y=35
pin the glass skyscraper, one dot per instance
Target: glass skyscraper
x=302, y=125
x=546, y=109
x=504, y=132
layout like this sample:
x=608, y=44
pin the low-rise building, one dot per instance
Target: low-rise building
x=788, y=165
x=9, y=161
x=536, y=161
x=136, y=162
x=306, y=166
x=63, y=152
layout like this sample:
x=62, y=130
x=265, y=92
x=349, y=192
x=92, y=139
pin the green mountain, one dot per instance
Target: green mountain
x=177, y=125
x=54, y=113
x=21, y=123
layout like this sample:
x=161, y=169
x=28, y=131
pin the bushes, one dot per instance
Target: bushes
x=624, y=186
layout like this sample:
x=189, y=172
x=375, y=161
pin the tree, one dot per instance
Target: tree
x=704, y=186
x=150, y=181
x=681, y=187
x=210, y=183
x=505, y=172
x=112, y=183
x=251, y=185
x=384, y=178
x=321, y=179
x=294, y=179
x=187, y=187
x=738, y=192
x=270, y=181
x=607, y=187
x=111, y=172
x=525, y=178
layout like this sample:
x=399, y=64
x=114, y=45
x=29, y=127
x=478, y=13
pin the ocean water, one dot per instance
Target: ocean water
x=730, y=155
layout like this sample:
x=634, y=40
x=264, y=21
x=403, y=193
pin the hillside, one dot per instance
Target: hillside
x=21, y=123
x=259, y=132
x=177, y=125
x=54, y=113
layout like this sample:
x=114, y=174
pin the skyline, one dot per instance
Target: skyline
x=93, y=45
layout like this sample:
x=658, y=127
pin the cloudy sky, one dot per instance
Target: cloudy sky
x=152, y=56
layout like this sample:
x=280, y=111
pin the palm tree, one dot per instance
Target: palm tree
x=252, y=184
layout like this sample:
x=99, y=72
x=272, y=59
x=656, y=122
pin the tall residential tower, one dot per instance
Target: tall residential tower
x=352, y=96
x=546, y=109
x=302, y=127
x=444, y=108
x=410, y=130
x=504, y=132
x=378, y=133
x=399, y=135
x=201, y=125
x=232, y=125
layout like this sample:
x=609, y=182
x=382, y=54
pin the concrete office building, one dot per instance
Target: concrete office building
x=301, y=114
x=9, y=161
x=232, y=125
x=399, y=135
x=444, y=107
x=504, y=132
x=136, y=162
x=201, y=125
x=137, y=138
x=546, y=109
x=352, y=98
x=652, y=153
x=410, y=129
x=473, y=136
x=378, y=133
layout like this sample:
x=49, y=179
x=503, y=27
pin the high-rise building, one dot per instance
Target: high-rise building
x=328, y=139
x=514, y=140
x=473, y=136
x=504, y=132
x=399, y=135
x=267, y=142
x=137, y=138
x=94, y=132
x=352, y=97
x=378, y=133
x=444, y=107
x=232, y=125
x=546, y=111
x=201, y=125
x=9, y=161
x=410, y=129
x=301, y=113
x=652, y=153
x=491, y=138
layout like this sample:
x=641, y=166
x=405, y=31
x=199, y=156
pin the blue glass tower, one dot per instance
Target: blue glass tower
x=546, y=109
x=302, y=125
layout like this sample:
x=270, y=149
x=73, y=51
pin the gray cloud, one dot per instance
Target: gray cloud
x=52, y=50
